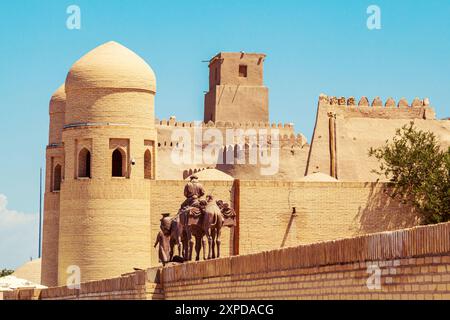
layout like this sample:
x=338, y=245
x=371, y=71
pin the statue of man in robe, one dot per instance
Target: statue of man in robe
x=193, y=191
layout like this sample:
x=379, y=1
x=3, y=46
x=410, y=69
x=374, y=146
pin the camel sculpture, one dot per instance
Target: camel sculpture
x=203, y=222
x=206, y=221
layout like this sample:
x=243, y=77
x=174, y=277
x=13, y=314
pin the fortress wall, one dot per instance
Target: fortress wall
x=165, y=128
x=358, y=128
x=293, y=150
x=138, y=285
x=412, y=264
x=324, y=211
x=292, y=166
x=319, y=151
x=166, y=169
x=355, y=136
x=381, y=112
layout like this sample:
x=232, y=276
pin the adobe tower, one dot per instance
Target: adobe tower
x=100, y=161
x=236, y=88
x=53, y=177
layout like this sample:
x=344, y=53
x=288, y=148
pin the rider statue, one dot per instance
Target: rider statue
x=193, y=191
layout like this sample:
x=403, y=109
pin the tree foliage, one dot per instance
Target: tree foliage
x=419, y=170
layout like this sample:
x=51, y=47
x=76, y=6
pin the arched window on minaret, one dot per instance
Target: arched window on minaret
x=118, y=163
x=57, y=178
x=147, y=165
x=84, y=163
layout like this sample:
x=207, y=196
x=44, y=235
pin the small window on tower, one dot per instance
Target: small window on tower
x=243, y=71
x=57, y=178
x=84, y=164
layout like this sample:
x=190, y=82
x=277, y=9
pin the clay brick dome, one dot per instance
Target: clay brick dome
x=110, y=84
x=58, y=100
x=57, y=109
x=111, y=65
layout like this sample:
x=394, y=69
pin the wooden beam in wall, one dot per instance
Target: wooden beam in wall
x=236, y=207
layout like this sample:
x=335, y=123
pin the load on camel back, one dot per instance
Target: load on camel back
x=199, y=217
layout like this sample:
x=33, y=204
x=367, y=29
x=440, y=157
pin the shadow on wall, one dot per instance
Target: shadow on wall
x=383, y=213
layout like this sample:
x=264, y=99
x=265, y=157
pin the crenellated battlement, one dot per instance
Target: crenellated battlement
x=389, y=109
x=376, y=102
x=284, y=142
x=286, y=132
x=223, y=124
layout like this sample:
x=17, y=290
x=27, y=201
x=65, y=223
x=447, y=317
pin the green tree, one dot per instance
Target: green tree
x=419, y=171
x=5, y=272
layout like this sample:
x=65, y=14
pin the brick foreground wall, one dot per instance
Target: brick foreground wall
x=139, y=285
x=413, y=264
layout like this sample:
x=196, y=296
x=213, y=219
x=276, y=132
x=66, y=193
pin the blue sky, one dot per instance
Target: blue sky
x=311, y=47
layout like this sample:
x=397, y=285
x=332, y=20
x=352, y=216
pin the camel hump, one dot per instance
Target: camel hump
x=212, y=208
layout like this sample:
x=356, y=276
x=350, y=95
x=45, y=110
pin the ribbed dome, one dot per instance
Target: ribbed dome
x=111, y=65
x=58, y=100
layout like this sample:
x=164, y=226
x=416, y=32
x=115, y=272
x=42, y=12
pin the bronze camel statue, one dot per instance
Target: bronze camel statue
x=203, y=222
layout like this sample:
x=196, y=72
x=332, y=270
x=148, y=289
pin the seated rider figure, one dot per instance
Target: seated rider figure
x=193, y=191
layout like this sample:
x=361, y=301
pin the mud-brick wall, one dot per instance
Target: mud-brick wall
x=139, y=285
x=404, y=264
x=411, y=264
x=323, y=211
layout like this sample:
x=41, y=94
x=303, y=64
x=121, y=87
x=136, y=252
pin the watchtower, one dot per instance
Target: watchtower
x=109, y=150
x=236, y=88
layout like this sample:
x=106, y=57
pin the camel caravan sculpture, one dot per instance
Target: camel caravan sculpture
x=200, y=218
